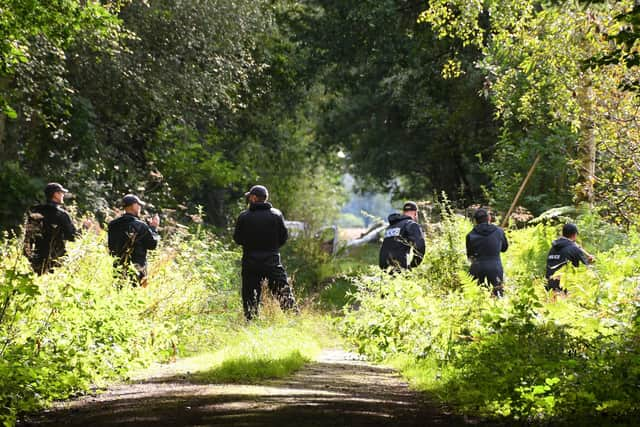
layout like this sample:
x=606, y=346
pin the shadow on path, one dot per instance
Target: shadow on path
x=337, y=390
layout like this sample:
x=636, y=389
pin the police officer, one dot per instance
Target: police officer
x=48, y=227
x=403, y=245
x=260, y=230
x=484, y=244
x=564, y=250
x=130, y=238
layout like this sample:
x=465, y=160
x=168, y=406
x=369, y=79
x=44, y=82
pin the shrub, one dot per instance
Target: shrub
x=77, y=326
x=529, y=355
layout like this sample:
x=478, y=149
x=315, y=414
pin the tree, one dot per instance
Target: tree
x=402, y=125
x=160, y=106
x=625, y=35
x=182, y=102
x=35, y=91
x=549, y=103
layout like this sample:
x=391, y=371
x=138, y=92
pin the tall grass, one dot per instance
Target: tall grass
x=530, y=355
x=63, y=332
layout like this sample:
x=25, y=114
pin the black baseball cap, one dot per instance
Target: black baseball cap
x=569, y=229
x=54, y=187
x=410, y=206
x=481, y=215
x=257, y=190
x=130, y=199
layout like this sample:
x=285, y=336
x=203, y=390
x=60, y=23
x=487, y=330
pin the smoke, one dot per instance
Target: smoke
x=366, y=206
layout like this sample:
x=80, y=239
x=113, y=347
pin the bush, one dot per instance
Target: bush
x=529, y=355
x=62, y=332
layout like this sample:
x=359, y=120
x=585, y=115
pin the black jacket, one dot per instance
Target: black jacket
x=564, y=251
x=401, y=238
x=130, y=239
x=485, y=242
x=260, y=231
x=56, y=228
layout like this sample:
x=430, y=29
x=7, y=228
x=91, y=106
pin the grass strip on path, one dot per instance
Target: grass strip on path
x=270, y=348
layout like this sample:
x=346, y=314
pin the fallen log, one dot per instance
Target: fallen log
x=371, y=235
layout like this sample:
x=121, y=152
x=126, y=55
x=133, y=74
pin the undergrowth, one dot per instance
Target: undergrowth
x=531, y=356
x=76, y=328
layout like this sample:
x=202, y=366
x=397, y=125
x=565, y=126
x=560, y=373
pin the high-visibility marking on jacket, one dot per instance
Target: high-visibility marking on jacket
x=392, y=232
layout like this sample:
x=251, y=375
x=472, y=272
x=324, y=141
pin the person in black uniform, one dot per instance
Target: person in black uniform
x=130, y=238
x=403, y=245
x=47, y=229
x=564, y=250
x=484, y=244
x=260, y=230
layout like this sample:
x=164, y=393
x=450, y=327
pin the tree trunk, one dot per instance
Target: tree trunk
x=371, y=236
x=3, y=119
x=4, y=83
x=215, y=206
x=587, y=145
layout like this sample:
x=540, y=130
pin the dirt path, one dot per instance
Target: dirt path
x=337, y=390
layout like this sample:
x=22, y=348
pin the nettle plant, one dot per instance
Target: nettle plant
x=529, y=355
x=64, y=331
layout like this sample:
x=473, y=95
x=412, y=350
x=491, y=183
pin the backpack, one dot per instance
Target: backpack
x=43, y=238
x=121, y=239
x=33, y=232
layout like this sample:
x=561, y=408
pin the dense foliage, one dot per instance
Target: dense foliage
x=191, y=103
x=529, y=355
x=184, y=103
x=62, y=332
x=188, y=103
x=402, y=125
x=624, y=49
x=73, y=330
x=549, y=102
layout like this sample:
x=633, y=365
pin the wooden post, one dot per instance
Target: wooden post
x=522, y=187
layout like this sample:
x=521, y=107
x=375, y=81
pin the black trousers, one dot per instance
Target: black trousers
x=130, y=273
x=488, y=272
x=554, y=284
x=44, y=265
x=254, y=273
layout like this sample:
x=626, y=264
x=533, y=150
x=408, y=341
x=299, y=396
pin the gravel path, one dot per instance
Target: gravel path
x=338, y=389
